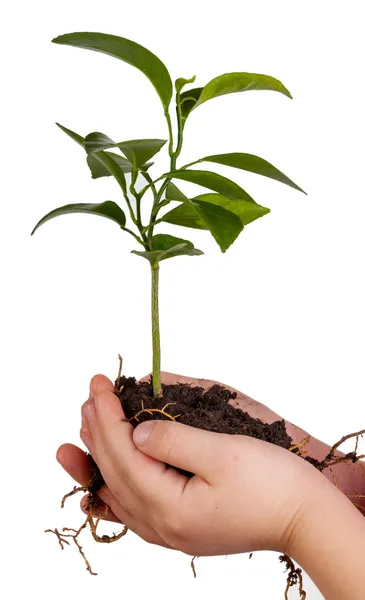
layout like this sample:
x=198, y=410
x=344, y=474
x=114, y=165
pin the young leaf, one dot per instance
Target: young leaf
x=252, y=163
x=181, y=82
x=212, y=181
x=108, y=209
x=188, y=101
x=128, y=51
x=229, y=83
x=224, y=225
x=99, y=170
x=163, y=241
x=138, y=152
x=167, y=246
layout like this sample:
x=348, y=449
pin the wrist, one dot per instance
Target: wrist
x=327, y=541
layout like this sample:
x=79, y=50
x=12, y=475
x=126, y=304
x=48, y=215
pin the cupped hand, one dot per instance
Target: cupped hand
x=246, y=494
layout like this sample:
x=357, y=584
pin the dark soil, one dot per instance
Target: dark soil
x=197, y=407
x=205, y=409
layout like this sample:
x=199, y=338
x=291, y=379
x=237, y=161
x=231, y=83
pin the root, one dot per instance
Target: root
x=294, y=577
x=74, y=491
x=93, y=502
x=105, y=539
x=61, y=539
x=354, y=496
x=192, y=564
x=331, y=460
x=161, y=411
x=119, y=374
x=299, y=448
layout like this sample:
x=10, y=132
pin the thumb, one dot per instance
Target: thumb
x=181, y=446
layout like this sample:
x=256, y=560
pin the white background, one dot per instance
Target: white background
x=279, y=316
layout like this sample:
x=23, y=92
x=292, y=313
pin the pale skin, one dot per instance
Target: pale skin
x=246, y=495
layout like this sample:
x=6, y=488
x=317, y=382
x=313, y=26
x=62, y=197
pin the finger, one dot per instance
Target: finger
x=85, y=434
x=181, y=446
x=103, y=511
x=100, y=384
x=112, y=431
x=146, y=533
x=77, y=464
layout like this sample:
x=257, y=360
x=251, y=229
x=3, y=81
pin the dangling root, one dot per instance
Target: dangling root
x=192, y=564
x=294, y=577
x=74, y=491
x=106, y=539
x=92, y=502
x=61, y=539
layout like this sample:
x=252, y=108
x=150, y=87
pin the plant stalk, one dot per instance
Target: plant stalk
x=156, y=347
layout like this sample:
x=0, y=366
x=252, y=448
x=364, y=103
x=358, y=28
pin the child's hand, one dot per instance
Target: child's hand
x=246, y=494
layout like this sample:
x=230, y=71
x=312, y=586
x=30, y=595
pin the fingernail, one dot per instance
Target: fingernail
x=88, y=410
x=142, y=433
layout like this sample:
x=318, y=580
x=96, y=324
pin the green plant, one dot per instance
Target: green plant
x=224, y=211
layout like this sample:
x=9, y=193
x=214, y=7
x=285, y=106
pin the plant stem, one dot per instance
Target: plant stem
x=134, y=235
x=156, y=348
x=156, y=345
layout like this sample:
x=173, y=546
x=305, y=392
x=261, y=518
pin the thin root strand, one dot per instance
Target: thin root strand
x=192, y=564
x=74, y=491
x=294, y=577
x=150, y=411
x=331, y=460
x=299, y=448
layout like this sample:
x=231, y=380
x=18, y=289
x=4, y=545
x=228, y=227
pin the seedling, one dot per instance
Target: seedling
x=224, y=211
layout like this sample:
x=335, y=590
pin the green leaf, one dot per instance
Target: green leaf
x=111, y=165
x=167, y=246
x=212, y=181
x=99, y=170
x=188, y=101
x=108, y=209
x=96, y=167
x=181, y=82
x=163, y=241
x=252, y=163
x=245, y=210
x=224, y=225
x=128, y=51
x=186, y=216
x=173, y=193
x=75, y=136
x=96, y=141
x=230, y=83
x=138, y=152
